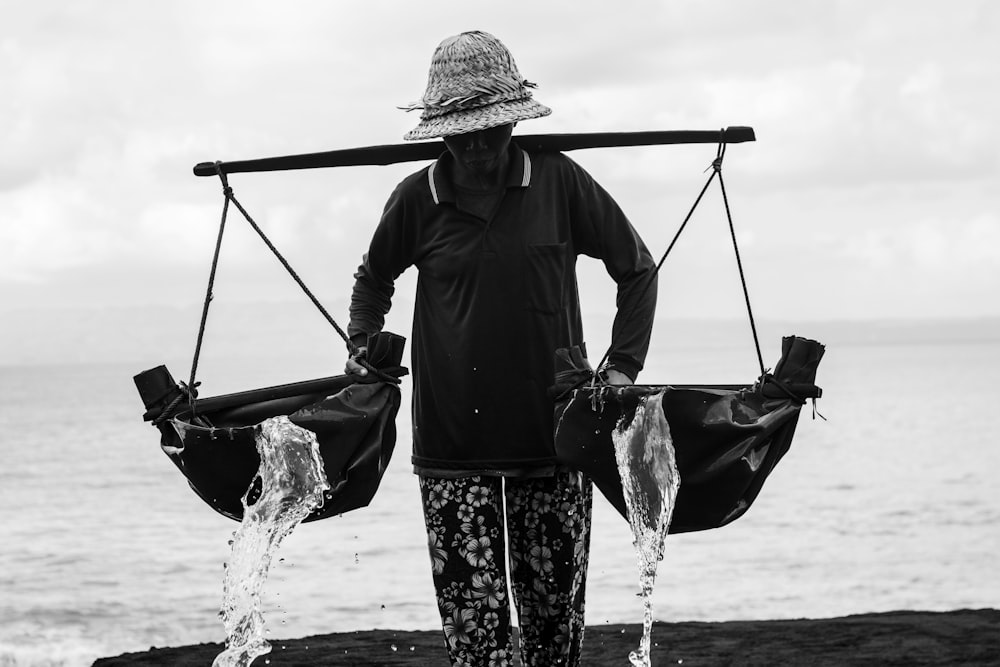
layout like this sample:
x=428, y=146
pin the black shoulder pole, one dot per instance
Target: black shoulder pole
x=430, y=150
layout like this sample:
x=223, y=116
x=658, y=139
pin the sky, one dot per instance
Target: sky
x=871, y=191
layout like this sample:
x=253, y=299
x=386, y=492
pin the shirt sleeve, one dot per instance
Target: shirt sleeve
x=602, y=231
x=389, y=254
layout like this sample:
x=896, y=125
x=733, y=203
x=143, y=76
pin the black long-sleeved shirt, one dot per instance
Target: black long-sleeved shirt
x=494, y=299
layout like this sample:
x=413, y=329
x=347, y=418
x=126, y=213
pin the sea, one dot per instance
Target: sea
x=887, y=500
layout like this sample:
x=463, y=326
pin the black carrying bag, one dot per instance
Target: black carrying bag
x=214, y=445
x=727, y=438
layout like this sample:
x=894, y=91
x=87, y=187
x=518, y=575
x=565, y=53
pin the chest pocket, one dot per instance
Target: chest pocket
x=545, y=277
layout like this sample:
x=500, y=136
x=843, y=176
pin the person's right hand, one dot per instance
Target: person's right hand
x=353, y=367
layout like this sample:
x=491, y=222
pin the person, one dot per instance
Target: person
x=494, y=232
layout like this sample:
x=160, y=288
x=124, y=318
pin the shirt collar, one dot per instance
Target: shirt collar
x=439, y=174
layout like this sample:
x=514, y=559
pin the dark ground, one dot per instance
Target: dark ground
x=964, y=637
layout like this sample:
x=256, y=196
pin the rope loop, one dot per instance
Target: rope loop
x=226, y=190
x=384, y=377
x=190, y=390
x=720, y=153
x=189, y=393
x=360, y=356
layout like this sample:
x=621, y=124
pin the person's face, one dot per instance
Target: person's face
x=481, y=153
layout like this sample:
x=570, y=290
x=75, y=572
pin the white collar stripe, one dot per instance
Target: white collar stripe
x=430, y=181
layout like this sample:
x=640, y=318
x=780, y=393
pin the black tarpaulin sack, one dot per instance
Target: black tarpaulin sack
x=213, y=440
x=214, y=444
x=727, y=439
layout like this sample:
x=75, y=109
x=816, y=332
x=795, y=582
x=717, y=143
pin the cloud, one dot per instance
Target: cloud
x=48, y=226
x=875, y=124
x=953, y=250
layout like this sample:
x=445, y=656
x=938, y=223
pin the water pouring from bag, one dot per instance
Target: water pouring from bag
x=290, y=484
x=645, y=456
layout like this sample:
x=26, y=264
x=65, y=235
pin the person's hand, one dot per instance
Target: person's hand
x=353, y=367
x=617, y=377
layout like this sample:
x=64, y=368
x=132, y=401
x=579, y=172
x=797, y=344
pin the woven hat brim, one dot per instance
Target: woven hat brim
x=479, y=118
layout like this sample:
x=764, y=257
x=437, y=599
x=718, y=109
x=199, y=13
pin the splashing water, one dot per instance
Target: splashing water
x=645, y=456
x=292, y=484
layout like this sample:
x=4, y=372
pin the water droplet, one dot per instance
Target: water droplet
x=356, y=561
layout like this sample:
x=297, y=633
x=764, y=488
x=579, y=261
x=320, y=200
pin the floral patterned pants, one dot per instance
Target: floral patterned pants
x=548, y=523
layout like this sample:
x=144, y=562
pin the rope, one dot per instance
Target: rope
x=663, y=258
x=354, y=350
x=168, y=411
x=192, y=392
x=191, y=389
x=716, y=168
x=739, y=264
x=350, y=345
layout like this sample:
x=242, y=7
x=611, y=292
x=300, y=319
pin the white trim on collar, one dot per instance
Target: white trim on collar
x=525, y=176
x=430, y=182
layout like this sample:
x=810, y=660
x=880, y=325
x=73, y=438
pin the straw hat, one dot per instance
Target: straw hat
x=473, y=84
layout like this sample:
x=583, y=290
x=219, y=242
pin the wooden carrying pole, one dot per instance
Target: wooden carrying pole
x=430, y=150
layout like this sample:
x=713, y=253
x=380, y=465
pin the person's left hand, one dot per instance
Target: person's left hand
x=617, y=377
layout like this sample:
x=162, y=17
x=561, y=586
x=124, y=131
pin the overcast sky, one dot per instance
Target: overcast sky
x=871, y=191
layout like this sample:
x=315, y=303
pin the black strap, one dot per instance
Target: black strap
x=716, y=168
x=227, y=191
x=291, y=271
x=192, y=386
